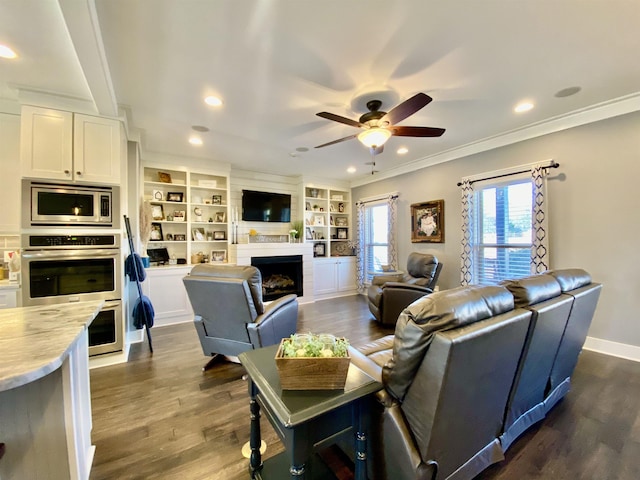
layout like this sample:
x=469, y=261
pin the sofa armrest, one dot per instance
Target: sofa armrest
x=279, y=320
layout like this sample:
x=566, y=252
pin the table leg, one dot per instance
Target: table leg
x=255, y=460
x=360, y=421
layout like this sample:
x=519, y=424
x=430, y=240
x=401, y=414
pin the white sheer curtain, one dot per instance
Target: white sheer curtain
x=540, y=227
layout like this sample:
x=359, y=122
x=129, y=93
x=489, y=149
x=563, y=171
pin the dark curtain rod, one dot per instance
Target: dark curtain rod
x=376, y=200
x=553, y=165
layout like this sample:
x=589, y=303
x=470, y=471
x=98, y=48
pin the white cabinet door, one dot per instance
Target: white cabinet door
x=8, y=298
x=324, y=276
x=168, y=296
x=346, y=273
x=10, y=168
x=96, y=149
x=46, y=145
x=57, y=145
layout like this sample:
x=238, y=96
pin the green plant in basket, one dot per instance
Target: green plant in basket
x=311, y=345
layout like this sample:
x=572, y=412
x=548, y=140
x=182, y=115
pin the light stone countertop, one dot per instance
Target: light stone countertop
x=34, y=341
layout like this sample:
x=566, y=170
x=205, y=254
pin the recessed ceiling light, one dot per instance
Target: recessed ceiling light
x=200, y=128
x=213, y=101
x=402, y=150
x=567, y=92
x=6, y=52
x=195, y=141
x=302, y=149
x=351, y=170
x=523, y=107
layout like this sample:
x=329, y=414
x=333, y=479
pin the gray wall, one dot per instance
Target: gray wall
x=594, y=203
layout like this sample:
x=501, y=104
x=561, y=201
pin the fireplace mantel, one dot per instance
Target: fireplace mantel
x=241, y=254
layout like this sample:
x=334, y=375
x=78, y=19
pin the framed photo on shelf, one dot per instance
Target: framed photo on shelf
x=218, y=256
x=156, y=212
x=197, y=234
x=164, y=177
x=308, y=234
x=157, y=195
x=216, y=200
x=175, y=196
x=341, y=222
x=221, y=217
x=343, y=233
x=156, y=233
x=179, y=237
x=178, y=216
x=427, y=222
x=219, y=235
x=318, y=220
x=319, y=249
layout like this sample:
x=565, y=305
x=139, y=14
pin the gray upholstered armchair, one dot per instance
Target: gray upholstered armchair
x=229, y=314
x=389, y=295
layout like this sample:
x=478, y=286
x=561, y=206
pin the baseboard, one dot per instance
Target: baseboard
x=622, y=350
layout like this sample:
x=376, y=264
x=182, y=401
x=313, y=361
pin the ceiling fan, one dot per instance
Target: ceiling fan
x=378, y=126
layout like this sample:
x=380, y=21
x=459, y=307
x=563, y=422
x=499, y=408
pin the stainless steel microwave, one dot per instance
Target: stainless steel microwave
x=68, y=205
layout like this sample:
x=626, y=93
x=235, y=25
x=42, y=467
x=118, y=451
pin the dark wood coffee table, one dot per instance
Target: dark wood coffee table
x=305, y=420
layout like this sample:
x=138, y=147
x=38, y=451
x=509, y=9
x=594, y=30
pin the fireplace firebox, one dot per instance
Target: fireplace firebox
x=281, y=275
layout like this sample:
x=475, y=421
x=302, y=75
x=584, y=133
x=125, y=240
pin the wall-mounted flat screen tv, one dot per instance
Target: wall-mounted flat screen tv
x=265, y=206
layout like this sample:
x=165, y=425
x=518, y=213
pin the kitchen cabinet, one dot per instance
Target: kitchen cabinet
x=10, y=168
x=9, y=296
x=334, y=277
x=58, y=145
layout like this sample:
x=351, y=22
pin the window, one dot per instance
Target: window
x=376, y=237
x=503, y=220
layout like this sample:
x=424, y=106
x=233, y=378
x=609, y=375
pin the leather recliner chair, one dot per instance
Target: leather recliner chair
x=388, y=295
x=229, y=314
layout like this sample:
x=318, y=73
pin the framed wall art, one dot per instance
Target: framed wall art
x=427, y=222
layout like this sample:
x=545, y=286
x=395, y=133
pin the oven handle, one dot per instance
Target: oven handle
x=101, y=252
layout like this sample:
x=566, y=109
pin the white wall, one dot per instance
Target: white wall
x=594, y=225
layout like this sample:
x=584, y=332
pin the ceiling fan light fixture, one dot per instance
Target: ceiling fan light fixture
x=374, y=137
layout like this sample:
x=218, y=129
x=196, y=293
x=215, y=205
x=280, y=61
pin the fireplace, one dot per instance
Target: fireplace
x=281, y=275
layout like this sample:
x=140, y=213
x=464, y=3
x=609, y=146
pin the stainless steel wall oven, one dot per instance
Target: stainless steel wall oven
x=73, y=268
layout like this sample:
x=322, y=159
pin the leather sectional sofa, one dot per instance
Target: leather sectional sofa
x=470, y=369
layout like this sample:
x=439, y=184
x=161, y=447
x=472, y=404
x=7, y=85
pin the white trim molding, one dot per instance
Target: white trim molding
x=622, y=350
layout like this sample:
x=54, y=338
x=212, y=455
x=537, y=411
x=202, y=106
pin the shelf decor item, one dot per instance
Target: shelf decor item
x=306, y=361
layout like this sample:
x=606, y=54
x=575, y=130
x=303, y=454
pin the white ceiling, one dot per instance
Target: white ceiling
x=275, y=63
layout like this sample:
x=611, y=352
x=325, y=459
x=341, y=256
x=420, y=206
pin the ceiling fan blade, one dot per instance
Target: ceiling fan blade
x=338, y=141
x=338, y=118
x=417, y=131
x=406, y=108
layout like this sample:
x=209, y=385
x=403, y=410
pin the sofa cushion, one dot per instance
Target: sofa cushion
x=531, y=290
x=248, y=273
x=444, y=310
x=571, y=278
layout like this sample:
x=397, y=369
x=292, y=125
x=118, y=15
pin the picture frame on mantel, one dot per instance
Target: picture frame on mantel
x=427, y=222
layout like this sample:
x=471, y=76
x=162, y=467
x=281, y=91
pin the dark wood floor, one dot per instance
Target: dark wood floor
x=161, y=417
